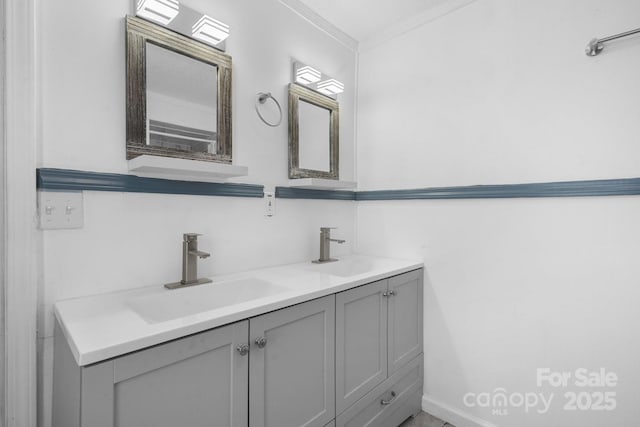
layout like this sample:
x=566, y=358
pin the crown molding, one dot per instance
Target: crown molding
x=318, y=21
x=411, y=23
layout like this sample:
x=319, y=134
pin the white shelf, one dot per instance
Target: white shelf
x=183, y=169
x=321, y=184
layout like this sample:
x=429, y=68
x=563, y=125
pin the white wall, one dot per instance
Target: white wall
x=502, y=92
x=132, y=240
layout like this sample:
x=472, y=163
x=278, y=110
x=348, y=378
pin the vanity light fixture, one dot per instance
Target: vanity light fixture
x=311, y=78
x=160, y=11
x=307, y=75
x=330, y=87
x=210, y=30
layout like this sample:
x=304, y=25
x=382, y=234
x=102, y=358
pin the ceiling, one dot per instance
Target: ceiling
x=361, y=19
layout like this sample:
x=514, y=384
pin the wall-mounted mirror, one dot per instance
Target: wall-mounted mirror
x=313, y=134
x=178, y=95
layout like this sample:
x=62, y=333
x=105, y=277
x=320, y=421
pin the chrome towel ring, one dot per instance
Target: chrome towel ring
x=261, y=99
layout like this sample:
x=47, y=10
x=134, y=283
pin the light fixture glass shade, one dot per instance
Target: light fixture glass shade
x=312, y=78
x=210, y=30
x=160, y=11
x=330, y=87
x=307, y=75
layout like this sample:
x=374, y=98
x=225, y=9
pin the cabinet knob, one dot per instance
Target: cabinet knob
x=261, y=342
x=243, y=349
x=392, y=293
x=385, y=294
x=388, y=402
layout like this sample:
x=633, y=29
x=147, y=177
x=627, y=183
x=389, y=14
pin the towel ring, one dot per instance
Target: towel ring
x=261, y=99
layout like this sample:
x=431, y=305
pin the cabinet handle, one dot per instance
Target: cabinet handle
x=388, y=402
x=261, y=342
x=243, y=349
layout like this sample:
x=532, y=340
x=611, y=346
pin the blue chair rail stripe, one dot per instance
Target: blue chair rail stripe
x=605, y=187
x=303, y=193
x=74, y=180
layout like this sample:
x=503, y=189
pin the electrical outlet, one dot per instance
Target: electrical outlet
x=269, y=203
x=60, y=210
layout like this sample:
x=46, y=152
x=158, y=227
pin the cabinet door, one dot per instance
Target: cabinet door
x=198, y=381
x=292, y=370
x=405, y=318
x=361, y=342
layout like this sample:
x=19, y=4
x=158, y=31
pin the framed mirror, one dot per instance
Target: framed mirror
x=313, y=134
x=178, y=95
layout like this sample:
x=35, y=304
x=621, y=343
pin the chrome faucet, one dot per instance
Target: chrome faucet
x=325, y=245
x=190, y=255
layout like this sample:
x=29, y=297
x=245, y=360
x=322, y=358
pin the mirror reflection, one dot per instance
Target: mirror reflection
x=181, y=101
x=313, y=134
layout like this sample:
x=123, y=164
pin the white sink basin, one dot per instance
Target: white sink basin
x=173, y=304
x=344, y=268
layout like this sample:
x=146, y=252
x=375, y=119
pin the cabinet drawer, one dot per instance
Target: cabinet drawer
x=394, y=399
x=410, y=406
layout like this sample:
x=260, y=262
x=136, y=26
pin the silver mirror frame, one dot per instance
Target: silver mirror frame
x=140, y=31
x=297, y=93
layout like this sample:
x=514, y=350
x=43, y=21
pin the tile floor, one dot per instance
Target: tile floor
x=424, y=420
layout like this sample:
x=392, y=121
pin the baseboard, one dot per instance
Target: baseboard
x=452, y=415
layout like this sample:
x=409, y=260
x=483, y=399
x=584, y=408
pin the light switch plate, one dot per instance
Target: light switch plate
x=269, y=203
x=60, y=210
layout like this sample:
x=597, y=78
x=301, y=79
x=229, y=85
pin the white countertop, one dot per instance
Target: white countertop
x=104, y=326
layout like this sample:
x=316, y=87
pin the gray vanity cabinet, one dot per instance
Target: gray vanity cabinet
x=378, y=332
x=186, y=382
x=291, y=368
x=286, y=356
x=349, y=359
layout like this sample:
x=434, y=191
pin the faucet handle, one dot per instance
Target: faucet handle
x=190, y=236
x=326, y=229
